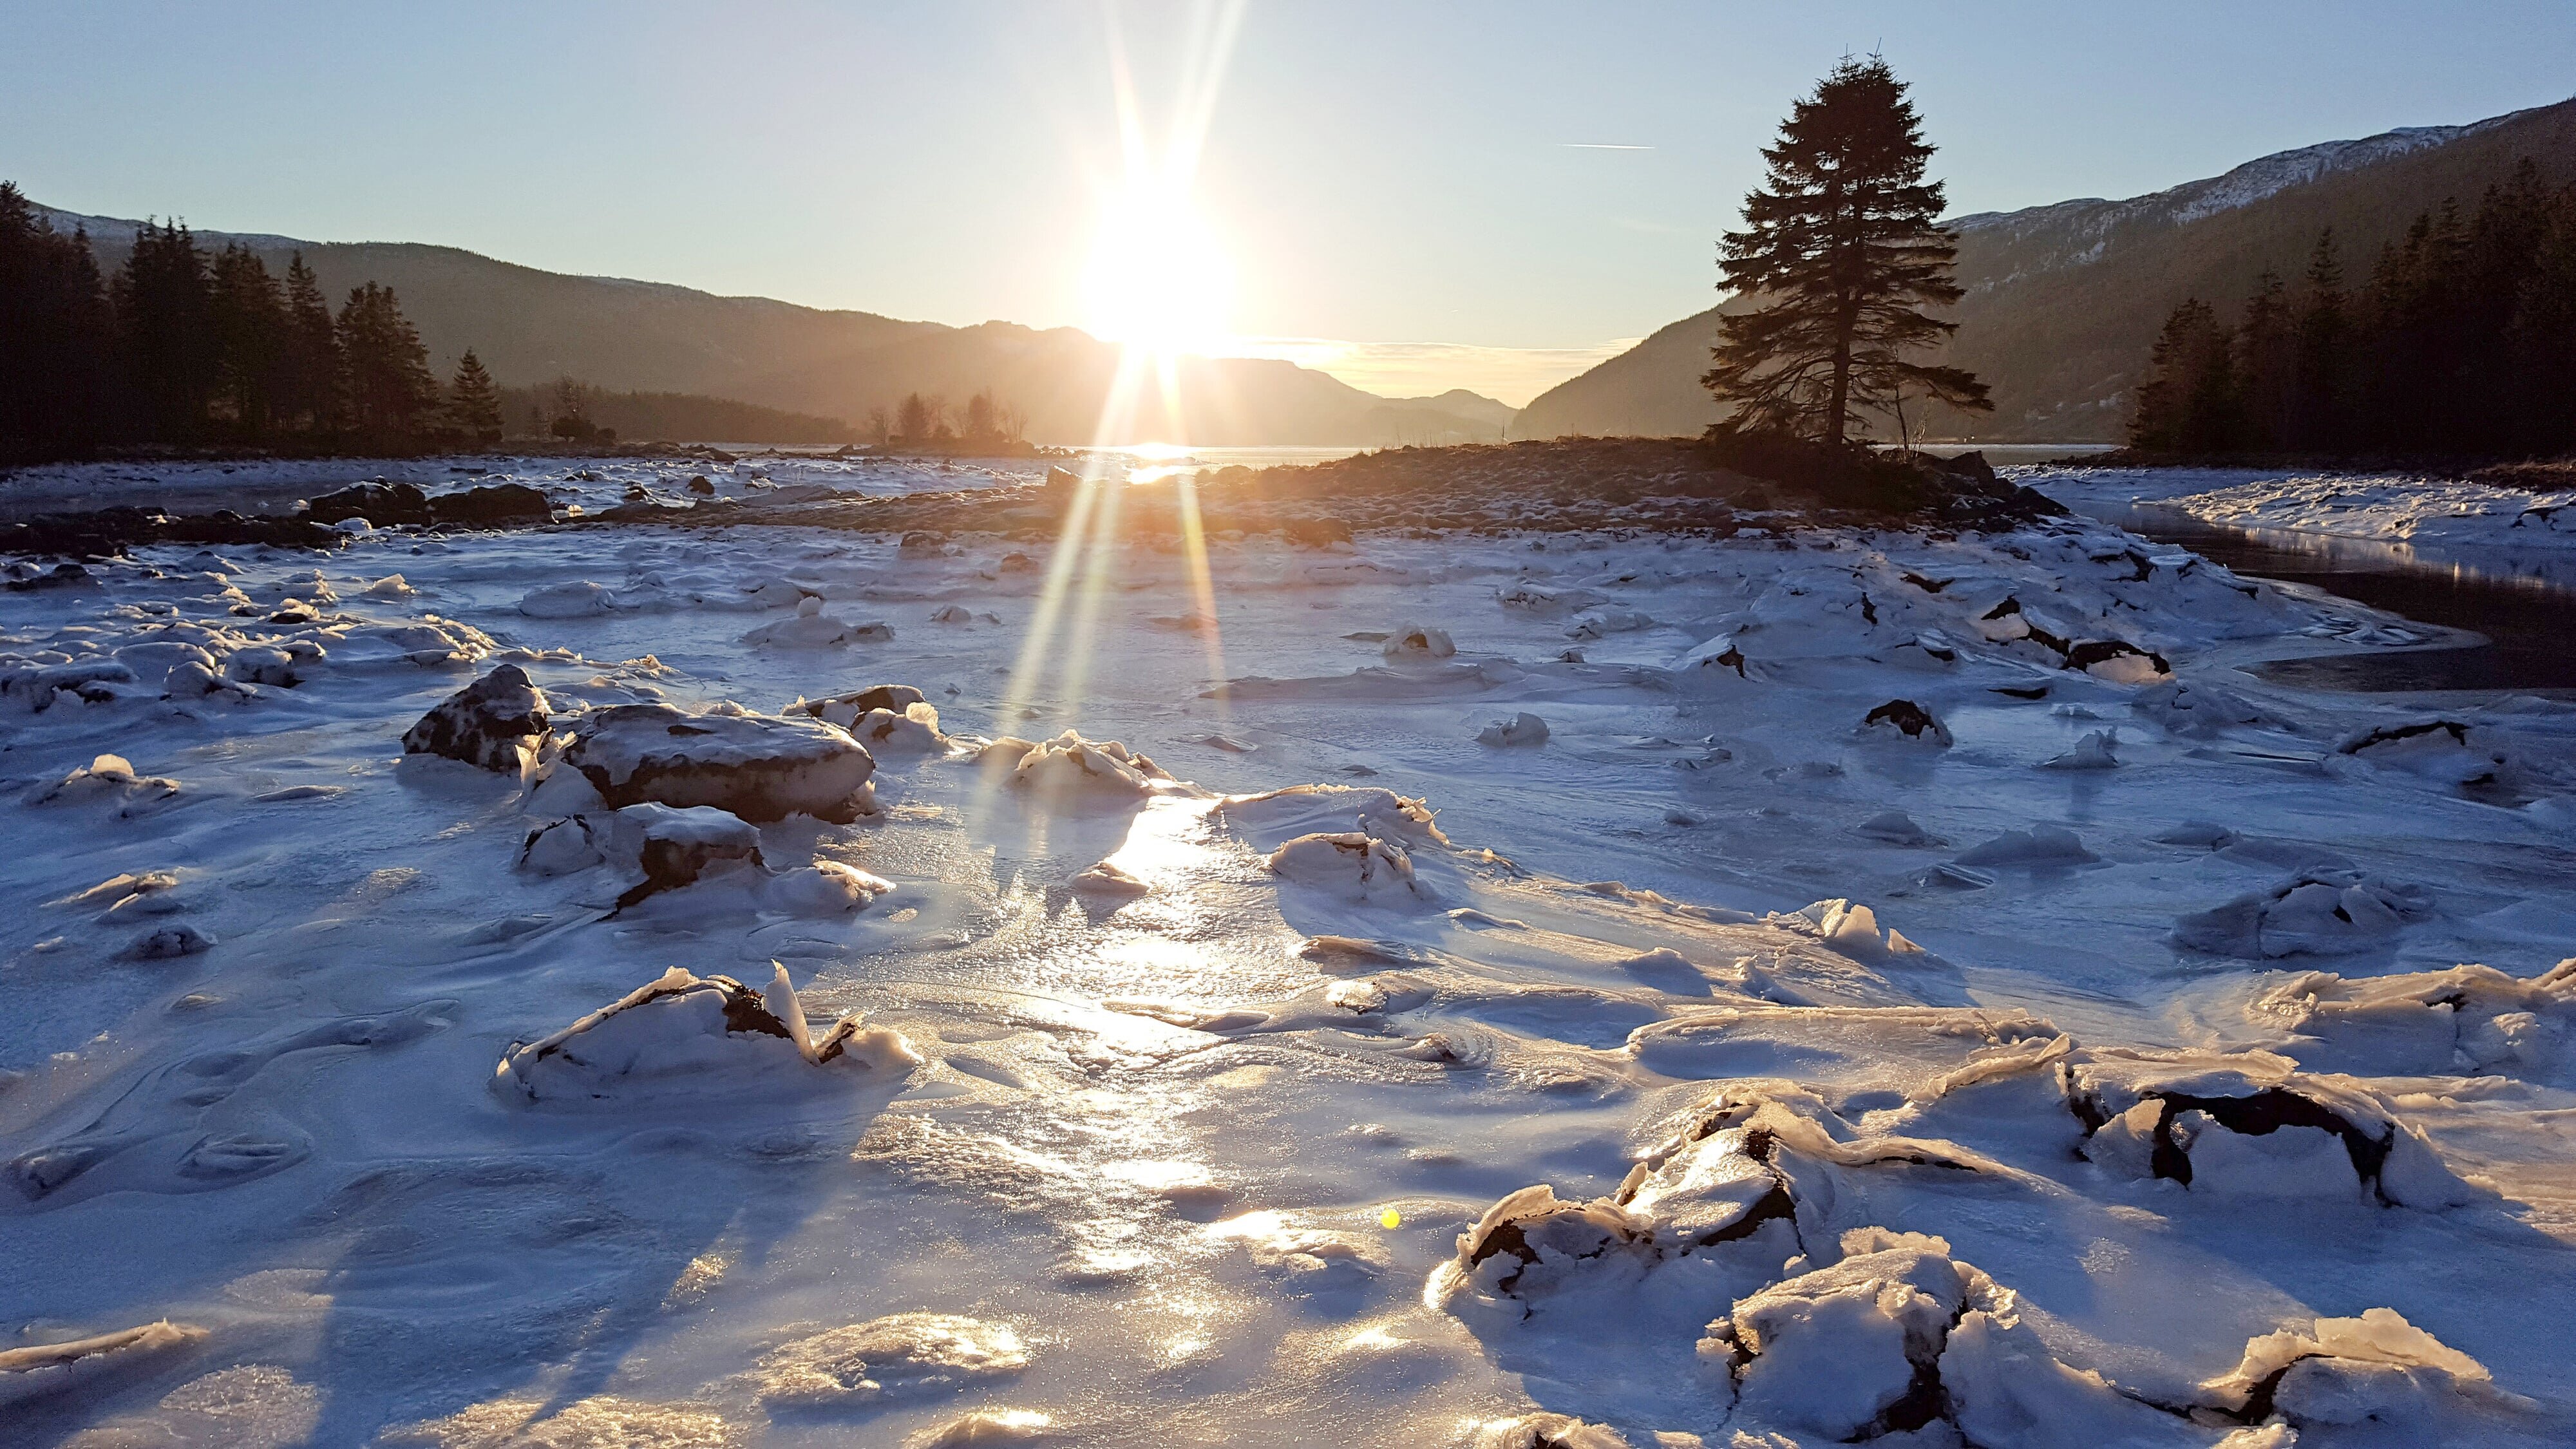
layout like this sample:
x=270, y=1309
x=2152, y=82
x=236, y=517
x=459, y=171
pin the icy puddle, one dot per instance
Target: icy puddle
x=1552, y=989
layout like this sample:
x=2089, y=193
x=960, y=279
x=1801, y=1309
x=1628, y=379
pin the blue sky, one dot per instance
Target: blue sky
x=1376, y=173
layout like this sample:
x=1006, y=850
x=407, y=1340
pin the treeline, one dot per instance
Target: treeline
x=189, y=348
x=2461, y=344
x=925, y=421
x=567, y=408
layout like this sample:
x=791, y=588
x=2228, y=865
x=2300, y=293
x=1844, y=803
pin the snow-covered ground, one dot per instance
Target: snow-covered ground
x=1908, y=987
x=2392, y=508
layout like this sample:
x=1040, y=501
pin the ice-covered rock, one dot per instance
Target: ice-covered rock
x=1850, y=928
x=914, y=730
x=111, y=778
x=1898, y=1338
x=1350, y=864
x=1520, y=731
x=1895, y=827
x=1108, y=878
x=2093, y=752
x=170, y=943
x=902, y=1355
x=577, y=599
x=2040, y=845
x=561, y=847
x=2467, y=1020
x=1418, y=641
x=2247, y=1124
x=824, y=889
x=2436, y=749
x=1906, y=718
x=2377, y=1370
x=1072, y=770
x=672, y=847
x=2321, y=912
x=1544, y=1431
x=811, y=628
x=759, y=767
x=681, y=1026
x=846, y=710
x=43, y=1369
x=491, y=723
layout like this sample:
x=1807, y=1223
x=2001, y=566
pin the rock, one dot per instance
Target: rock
x=2093, y=752
x=676, y=847
x=847, y=710
x=759, y=767
x=1520, y=731
x=496, y=503
x=169, y=944
x=380, y=503
x=682, y=1027
x=49, y=1368
x=486, y=724
x=576, y=599
x=1912, y=720
x=1415, y=641
x=699, y=485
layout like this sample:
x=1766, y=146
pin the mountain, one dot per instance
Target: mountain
x=2064, y=300
x=530, y=326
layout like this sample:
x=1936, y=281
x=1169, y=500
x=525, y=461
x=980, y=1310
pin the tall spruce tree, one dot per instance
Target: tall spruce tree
x=163, y=300
x=248, y=315
x=309, y=383
x=56, y=338
x=473, y=402
x=386, y=370
x=1842, y=244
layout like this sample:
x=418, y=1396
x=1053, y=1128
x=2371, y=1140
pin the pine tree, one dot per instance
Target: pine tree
x=309, y=384
x=248, y=316
x=2187, y=403
x=473, y=403
x=56, y=338
x=2266, y=360
x=388, y=383
x=163, y=298
x=1842, y=242
x=2322, y=334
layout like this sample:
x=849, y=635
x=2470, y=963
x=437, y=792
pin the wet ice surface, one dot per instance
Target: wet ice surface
x=1878, y=1080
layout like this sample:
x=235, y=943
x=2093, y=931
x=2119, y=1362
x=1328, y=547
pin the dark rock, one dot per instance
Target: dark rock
x=484, y=723
x=699, y=485
x=491, y=504
x=848, y=709
x=380, y=503
x=1912, y=719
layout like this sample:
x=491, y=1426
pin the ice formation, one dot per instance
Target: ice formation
x=1741, y=1068
x=679, y=1027
x=759, y=767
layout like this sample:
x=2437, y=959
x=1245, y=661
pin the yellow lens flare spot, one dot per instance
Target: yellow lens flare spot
x=1390, y=1219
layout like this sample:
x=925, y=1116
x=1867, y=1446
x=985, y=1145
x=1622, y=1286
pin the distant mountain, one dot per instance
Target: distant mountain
x=530, y=326
x=2064, y=300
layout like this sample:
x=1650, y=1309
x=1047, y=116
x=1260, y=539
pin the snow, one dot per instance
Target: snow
x=1001, y=1040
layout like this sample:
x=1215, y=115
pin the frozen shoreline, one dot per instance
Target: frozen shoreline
x=2388, y=509
x=1136, y=1186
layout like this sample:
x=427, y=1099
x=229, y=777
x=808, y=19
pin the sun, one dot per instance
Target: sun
x=1157, y=280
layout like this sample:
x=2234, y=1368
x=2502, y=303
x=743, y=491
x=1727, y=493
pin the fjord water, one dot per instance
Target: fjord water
x=2523, y=602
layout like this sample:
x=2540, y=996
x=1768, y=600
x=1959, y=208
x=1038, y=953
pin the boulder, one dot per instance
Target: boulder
x=760, y=767
x=491, y=504
x=485, y=724
x=378, y=502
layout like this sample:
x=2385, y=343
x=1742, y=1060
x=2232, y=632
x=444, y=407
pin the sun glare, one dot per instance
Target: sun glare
x=1157, y=280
